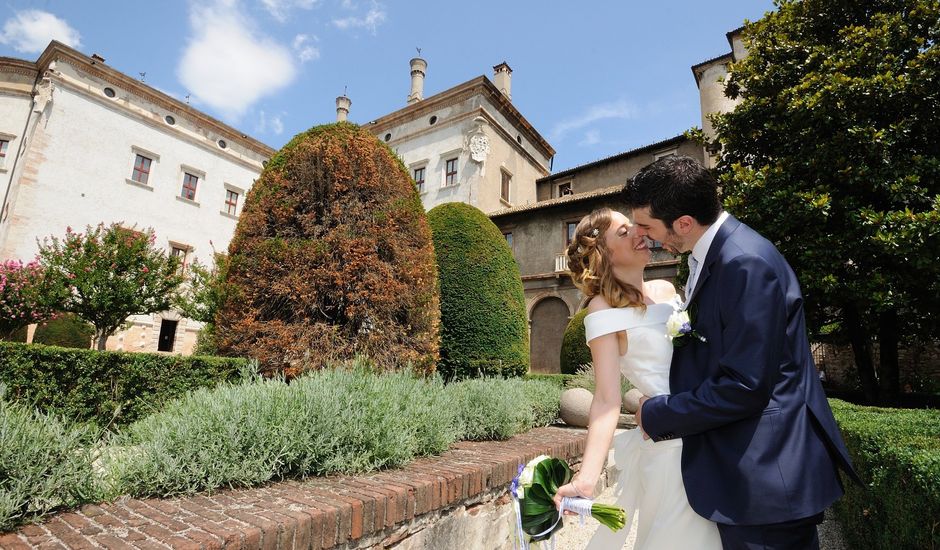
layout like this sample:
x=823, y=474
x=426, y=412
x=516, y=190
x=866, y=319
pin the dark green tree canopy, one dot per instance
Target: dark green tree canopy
x=834, y=154
x=483, y=319
x=331, y=258
x=575, y=352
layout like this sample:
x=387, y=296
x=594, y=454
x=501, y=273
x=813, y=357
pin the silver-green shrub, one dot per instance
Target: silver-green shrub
x=545, y=399
x=496, y=408
x=330, y=421
x=45, y=464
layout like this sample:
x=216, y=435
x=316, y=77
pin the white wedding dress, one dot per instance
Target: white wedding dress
x=650, y=482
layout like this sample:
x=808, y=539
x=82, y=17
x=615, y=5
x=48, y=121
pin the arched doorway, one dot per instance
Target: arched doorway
x=549, y=318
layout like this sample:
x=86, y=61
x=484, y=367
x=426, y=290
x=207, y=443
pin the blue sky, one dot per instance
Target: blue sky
x=595, y=78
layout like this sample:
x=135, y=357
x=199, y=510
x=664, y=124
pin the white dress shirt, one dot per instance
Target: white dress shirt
x=700, y=251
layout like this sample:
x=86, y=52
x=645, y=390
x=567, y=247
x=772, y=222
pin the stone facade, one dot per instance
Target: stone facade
x=709, y=77
x=76, y=130
x=476, y=124
x=538, y=235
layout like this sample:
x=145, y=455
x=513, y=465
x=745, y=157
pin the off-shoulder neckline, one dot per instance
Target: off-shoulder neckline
x=671, y=303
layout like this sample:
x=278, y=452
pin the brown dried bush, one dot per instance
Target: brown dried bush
x=332, y=259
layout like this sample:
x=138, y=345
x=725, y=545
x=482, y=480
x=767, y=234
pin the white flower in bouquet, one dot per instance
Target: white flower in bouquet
x=678, y=321
x=525, y=477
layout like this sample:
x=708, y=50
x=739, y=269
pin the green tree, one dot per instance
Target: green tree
x=483, y=319
x=65, y=330
x=332, y=258
x=833, y=153
x=107, y=274
x=201, y=297
x=575, y=352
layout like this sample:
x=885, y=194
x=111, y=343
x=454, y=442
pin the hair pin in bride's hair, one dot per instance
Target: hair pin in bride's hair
x=595, y=232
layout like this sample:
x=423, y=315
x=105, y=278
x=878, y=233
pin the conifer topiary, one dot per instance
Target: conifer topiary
x=483, y=319
x=574, y=350
x=331, y=259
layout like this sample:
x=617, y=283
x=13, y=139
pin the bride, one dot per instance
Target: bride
x=626, y=331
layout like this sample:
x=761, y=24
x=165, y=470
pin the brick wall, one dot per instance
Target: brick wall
x=916, y=361
x=375, y=510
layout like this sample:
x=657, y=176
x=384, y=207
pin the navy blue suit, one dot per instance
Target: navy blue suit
x=760, y=444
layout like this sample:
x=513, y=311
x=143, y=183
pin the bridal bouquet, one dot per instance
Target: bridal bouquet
x=532, y=491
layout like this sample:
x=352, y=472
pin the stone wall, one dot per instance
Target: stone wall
x=918, y=364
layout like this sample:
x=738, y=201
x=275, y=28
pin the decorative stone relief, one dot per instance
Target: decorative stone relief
x=479, y=147
x=478, y=143
x=43, y=95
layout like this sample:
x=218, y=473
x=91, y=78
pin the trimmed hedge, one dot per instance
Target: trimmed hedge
x=331, y=259
x=105, y=387
x=484, y=331
x=67, y=331
x=575, y=352
x=897, y=454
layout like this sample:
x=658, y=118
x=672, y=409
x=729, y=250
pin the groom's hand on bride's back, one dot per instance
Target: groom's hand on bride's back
x=639, y=418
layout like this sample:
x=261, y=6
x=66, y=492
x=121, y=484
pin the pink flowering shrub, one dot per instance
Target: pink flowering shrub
x=21, y=301
x=107, y=274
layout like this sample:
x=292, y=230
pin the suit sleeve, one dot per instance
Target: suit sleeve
x=753, y=313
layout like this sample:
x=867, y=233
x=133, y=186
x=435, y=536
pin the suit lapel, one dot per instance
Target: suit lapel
x=726, y=229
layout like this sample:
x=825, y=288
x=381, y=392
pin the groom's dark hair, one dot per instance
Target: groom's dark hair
x=672, y=187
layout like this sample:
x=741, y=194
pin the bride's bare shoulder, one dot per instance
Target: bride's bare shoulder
x=597, y=303
x=660, y=290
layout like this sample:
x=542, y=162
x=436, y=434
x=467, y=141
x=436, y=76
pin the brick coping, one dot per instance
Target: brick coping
x=316, y=513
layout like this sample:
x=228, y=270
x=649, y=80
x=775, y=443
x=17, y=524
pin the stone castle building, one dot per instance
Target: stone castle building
x=82, y=143
x=466, y=144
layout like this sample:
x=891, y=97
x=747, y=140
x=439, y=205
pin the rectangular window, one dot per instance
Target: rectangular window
x=508, y=238
x=4, y=145
x=450, y=172
x=189, y=186
x=564, y=189
x=231, y=202
x=569, y=232
x=141, y=171
x=181, y=253
x=419, y=179
x=504, y=188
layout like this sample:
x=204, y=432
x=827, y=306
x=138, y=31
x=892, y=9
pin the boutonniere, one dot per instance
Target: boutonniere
x=679, y=328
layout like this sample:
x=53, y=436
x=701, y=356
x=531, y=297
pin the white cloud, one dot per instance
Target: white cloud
x=591, y=137
x=280, y=9
x=228, y=64
x=602, y=111
x=371, y=20
x=305, y=52
x=30, y=31
x=274, y=124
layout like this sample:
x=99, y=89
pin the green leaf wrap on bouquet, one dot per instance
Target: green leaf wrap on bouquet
x=536, y=487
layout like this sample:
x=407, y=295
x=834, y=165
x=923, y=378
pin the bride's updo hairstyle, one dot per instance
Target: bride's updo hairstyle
x=590, y=268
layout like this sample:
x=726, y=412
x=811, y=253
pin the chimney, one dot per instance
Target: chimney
x=502, y=78
x=418, y=69
x=343, y=104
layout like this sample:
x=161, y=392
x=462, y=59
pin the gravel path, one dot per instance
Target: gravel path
x=575, y=537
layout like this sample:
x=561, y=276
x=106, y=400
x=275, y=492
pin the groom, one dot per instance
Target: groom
x=761, y=449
